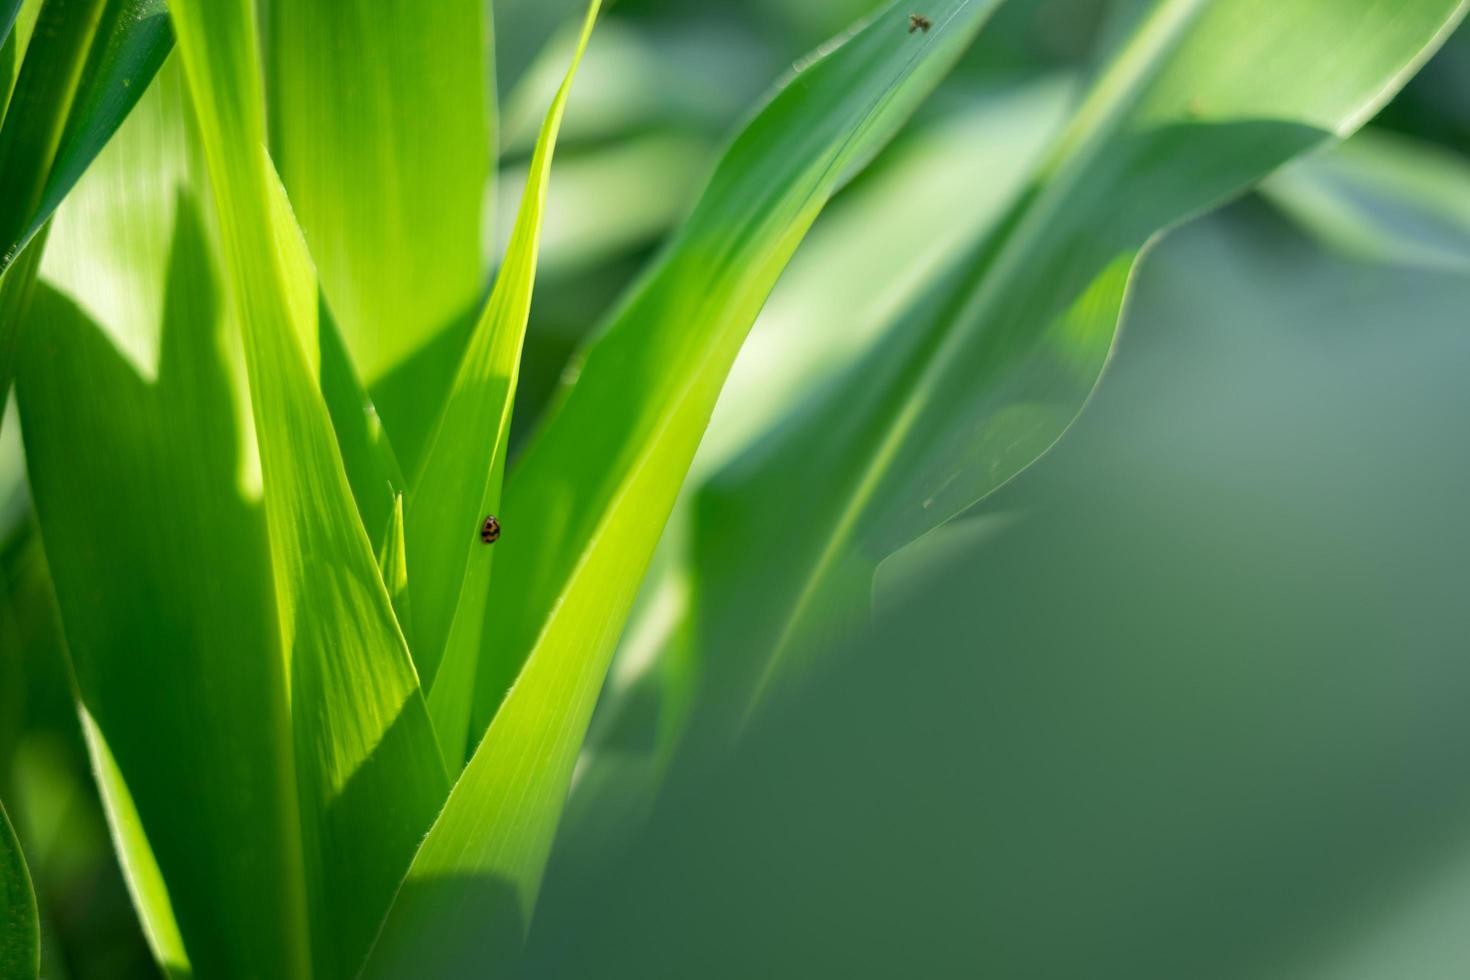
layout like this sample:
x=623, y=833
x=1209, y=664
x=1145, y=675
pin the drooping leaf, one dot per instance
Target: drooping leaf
x=368, y=770
x=382, y=124
x=460, y=483
x=988, y=369
x=20, y=939
x=160, y=562
x=585, y=510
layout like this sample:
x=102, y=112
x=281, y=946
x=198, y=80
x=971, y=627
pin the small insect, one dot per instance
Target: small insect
x=918, y=22
x=490, y=530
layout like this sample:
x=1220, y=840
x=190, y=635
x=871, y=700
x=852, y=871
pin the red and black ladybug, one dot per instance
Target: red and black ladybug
x=490, y=530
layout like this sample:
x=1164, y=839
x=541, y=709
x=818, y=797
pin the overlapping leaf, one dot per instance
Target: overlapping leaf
x=168, y=611
x=368, y=771
x=461, y=479
x=584, y=511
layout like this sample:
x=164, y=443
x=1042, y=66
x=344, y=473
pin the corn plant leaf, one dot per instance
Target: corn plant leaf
x=20, y=939
x=171, y=607
x=988, y=369
x=595, y=489
x=461, y=479
x=382, y=124
x=368, y=770
x=597, y=482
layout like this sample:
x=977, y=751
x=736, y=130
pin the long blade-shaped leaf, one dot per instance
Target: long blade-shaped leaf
x=987, y=371
x=168, y=615
x=382, y=125
x=594, y=492
x=599, y=480
x=20, y=939
x=461, y=480
x=368, y=767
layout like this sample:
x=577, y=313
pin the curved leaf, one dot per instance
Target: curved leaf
x=983, y=374
x=585, y=510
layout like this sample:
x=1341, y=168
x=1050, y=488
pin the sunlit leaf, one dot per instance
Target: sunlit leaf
x=383, y=124
x=368, y=771
x=460, y=483
x=584, y=512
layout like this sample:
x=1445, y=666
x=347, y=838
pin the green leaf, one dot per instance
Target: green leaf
x=87, y=63
x=461, y=479
x=988, y=369
x=169, y=614
x=583, y=515
x=368, y=770
x=20, y=938
x=382, y=123
x=596, y=485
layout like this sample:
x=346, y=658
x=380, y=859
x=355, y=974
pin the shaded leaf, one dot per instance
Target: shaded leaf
x=585, y=509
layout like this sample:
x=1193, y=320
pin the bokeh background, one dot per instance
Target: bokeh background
x=1186, y=699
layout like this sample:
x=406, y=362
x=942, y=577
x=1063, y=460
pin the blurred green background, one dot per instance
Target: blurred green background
x=1186, y=699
